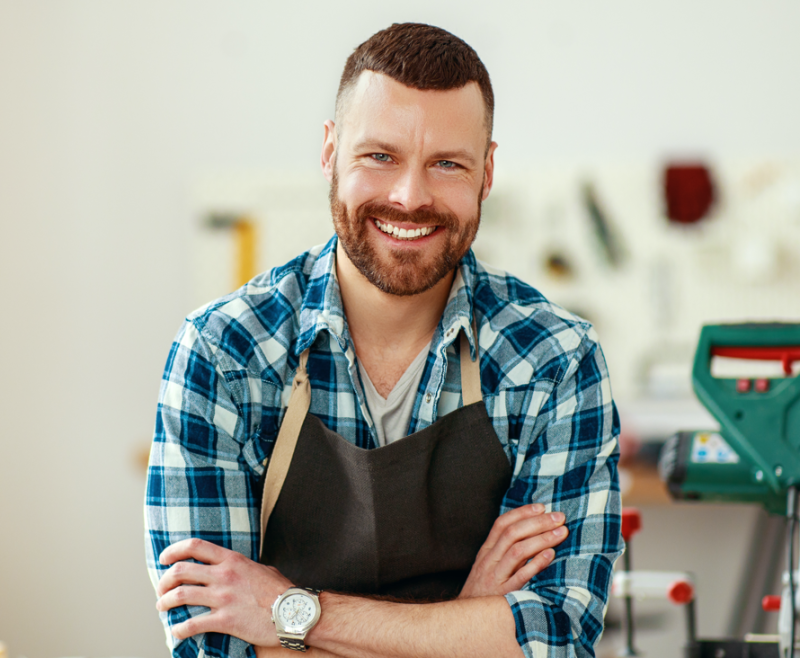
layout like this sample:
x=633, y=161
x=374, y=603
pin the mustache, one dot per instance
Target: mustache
x=422, y=217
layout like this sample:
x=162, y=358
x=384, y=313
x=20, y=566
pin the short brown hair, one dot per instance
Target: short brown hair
x=421, y=57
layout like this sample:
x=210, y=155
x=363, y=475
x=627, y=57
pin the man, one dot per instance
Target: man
x=430, y=486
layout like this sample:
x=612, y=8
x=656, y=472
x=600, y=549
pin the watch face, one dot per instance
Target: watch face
x=296, y=612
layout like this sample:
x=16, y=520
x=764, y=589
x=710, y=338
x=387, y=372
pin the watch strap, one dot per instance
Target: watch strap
x=293, y=643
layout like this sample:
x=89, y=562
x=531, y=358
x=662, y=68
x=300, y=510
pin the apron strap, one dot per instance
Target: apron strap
x=300, y=401
x=282, y=453
x=470, y=370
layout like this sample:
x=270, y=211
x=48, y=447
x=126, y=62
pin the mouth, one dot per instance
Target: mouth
x=409, y=235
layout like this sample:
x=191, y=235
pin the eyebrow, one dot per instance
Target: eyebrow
x=378, y=146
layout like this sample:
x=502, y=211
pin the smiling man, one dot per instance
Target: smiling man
x=384, y=447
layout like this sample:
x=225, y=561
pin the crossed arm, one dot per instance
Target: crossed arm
x=208, y=446
x=240, y=593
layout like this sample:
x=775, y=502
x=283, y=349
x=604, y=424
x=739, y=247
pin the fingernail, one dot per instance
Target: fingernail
x=538, y=508
x=558, y=517
x=549, y=554
x=560, y=532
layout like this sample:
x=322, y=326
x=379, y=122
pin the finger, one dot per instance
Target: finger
x=525, y=529
x=208, y=623
x=504, y=521
x=186, y=595
x=518, y=554
x=183, y=573
x=197, y=549
x=537, y=564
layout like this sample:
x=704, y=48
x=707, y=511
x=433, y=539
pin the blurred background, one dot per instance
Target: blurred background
x=152, y=154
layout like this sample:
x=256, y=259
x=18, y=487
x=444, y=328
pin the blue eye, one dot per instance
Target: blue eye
x=381, y=157
x=447, y=164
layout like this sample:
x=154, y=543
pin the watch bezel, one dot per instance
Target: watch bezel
x=299, y=631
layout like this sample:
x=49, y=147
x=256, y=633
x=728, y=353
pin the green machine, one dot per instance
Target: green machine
x=753, y=458
x=755, y=455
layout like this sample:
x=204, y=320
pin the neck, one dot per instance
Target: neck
x=390, y=325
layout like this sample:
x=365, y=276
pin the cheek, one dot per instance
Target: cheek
x=363, y=185
x=461, y=198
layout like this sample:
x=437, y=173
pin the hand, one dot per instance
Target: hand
x=239, y=592
x=523, y=534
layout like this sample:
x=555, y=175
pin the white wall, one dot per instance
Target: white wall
x=110, y=111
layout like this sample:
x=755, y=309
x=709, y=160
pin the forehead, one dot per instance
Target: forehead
x=380, y=108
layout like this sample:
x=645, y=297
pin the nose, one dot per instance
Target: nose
x=411, y=189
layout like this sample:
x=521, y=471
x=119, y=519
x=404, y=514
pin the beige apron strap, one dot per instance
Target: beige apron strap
x=470, y=370
x=282, y=453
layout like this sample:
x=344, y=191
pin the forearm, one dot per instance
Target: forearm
x=363, y=628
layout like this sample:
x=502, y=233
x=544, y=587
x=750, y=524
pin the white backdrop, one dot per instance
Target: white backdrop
x=110, y=111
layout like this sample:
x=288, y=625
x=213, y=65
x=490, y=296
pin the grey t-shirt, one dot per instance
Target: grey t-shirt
x=392, y=415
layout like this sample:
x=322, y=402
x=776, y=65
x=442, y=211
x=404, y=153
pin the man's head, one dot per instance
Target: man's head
x=410, y=157
x=421, y=57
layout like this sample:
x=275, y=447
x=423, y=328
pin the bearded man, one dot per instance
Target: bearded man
x=385, y=447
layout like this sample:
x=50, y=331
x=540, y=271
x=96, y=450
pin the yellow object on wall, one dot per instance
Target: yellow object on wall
x=246, y=236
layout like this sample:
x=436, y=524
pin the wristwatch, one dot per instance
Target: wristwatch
x=295, y=613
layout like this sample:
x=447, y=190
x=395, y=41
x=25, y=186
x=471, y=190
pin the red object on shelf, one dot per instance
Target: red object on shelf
x=688, y=191
x=742, y=385
x=787, y=354
x=680, y=592
x=631, y=522
x=771, y=603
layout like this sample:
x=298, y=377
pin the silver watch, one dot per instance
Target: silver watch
x=295, y=613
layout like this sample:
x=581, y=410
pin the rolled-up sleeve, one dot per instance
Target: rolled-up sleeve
x=200, y=481
x=567, y=460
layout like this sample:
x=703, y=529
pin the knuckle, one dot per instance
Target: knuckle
x=516, y=551
x=190, y=627
x=227, y=575
x=513, y=533
x=194, y=543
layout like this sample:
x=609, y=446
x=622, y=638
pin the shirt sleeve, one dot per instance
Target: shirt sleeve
x=200, y=481
x=567, y=460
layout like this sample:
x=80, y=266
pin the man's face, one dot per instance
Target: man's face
x=408, y=172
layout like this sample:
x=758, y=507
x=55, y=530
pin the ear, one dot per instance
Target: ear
x=488, y=172
x=327, y=159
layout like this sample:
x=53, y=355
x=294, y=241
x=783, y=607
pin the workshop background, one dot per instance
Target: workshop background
x=153, y=153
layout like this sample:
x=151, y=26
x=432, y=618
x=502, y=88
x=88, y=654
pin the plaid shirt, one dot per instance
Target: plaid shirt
x=227, y=383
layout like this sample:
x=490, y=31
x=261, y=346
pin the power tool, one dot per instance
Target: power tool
x=753, y=458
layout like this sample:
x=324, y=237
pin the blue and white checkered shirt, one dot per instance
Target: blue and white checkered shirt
x=227, y=383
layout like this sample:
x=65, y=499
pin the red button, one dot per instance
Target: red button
x=742, y=385
x=762, y=385
x=771, y=603
x=631, y=522
x=680, y=592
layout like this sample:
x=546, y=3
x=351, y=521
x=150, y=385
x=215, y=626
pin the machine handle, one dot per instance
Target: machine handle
x=631, y=522
x=786, y=354
x=677, y=587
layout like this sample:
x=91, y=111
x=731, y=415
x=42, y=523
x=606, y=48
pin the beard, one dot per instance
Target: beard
x=401, y=271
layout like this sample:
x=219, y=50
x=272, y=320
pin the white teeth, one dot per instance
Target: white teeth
x=404, y=234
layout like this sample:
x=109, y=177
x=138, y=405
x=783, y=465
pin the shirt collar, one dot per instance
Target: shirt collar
x=322, y=303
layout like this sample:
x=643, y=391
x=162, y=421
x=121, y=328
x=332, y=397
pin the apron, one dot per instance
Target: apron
x=405, y=520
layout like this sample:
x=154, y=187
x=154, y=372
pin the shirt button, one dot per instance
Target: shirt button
x=428, y=398
x=450, y=332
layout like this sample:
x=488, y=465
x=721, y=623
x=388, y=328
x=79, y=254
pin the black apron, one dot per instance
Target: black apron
x=405, y=520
